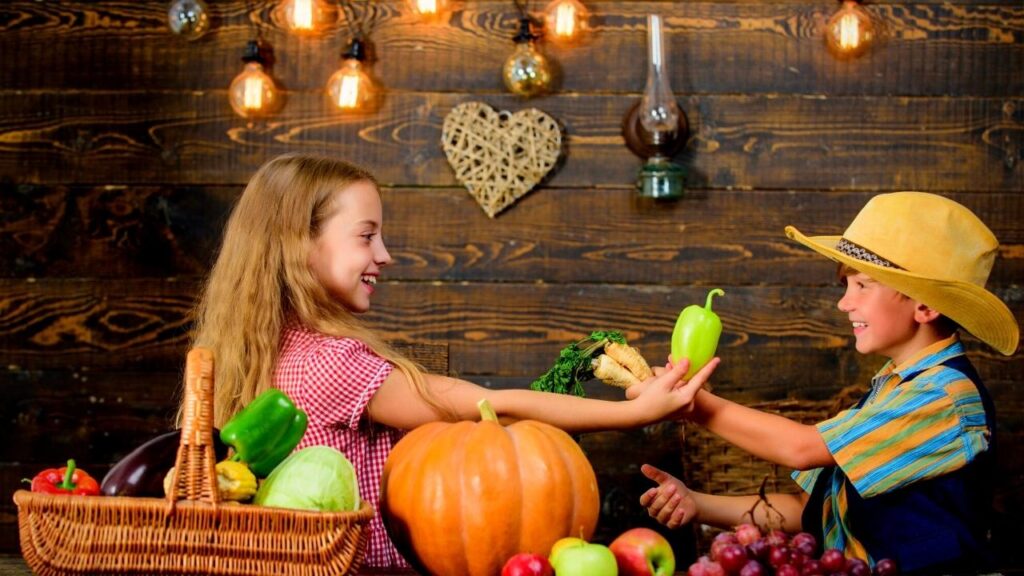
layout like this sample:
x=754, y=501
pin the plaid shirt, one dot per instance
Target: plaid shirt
x=333, y=379
x=901, y=435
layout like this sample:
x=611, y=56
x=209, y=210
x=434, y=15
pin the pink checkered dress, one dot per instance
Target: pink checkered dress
x=333, y=379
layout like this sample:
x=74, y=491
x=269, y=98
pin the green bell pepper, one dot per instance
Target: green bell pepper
x=696, y=334
x=265, y=432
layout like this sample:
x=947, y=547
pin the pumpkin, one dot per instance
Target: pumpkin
x=459, y=499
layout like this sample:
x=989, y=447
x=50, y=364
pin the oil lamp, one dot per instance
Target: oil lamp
x=849, y=32
x=655, y=128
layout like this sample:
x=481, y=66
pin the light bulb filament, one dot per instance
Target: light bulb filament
x=426, y=6
x=302, y=14
x=252, y=93
x=849, y=32
x=565, y=20
x=348, y=95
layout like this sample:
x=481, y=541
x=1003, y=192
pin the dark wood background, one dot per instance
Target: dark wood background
x=120, y=158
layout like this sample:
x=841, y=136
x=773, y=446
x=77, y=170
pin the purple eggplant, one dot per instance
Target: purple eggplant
x=141, y=473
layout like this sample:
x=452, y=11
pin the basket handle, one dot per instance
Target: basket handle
x=195, y=476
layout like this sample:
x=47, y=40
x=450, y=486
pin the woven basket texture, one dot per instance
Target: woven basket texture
x=191, y=531
x=714, y=466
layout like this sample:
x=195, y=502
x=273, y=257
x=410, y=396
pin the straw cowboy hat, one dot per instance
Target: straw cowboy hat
x=931, y=249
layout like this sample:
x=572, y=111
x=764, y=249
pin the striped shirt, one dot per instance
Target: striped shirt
x=333, y=380
x=900, y=435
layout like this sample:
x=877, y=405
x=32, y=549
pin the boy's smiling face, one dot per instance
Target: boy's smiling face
x=882, y=318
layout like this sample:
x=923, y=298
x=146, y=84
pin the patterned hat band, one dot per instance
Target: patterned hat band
x=854, y=251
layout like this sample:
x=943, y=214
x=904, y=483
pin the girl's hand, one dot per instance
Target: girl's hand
x=667, y=394
x=670, y=503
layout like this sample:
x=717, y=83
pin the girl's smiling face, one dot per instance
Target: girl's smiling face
x=882, y=318
x=349, y=252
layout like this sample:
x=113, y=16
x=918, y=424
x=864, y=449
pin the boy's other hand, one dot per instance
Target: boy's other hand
x=670, y=502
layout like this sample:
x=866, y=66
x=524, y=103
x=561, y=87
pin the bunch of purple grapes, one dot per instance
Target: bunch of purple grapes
x=747, y=553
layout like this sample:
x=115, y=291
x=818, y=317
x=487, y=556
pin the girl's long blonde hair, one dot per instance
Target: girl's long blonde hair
x=262, y=280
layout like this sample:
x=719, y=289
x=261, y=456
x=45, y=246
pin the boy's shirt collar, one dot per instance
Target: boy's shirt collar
x=925, y=358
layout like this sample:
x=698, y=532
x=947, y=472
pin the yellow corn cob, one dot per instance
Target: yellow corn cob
x=611, y=372
x=630, y=359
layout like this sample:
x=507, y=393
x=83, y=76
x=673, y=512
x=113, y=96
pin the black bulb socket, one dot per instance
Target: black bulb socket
x=356, y=50
x=253, y=53
x=525, y=33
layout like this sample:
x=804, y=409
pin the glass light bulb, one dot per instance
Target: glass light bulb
x=428, y=9
x=188, y=18
x=305, y=16
x=659, y=112
x=252, y=93
x=526, y=71
x=849, y=32
x=565, y=20
x=350, y=88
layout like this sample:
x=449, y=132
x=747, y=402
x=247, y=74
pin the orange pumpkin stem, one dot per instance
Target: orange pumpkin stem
x=487, y=413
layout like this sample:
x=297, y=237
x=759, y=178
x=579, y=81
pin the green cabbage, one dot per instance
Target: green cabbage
x=314, y=478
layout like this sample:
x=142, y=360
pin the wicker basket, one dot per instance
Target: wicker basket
x=714, y=466
x=191, y=531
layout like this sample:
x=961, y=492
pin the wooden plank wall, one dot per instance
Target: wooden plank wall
x=120, y=157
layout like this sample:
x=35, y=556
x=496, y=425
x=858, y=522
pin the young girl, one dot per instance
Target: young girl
x=300, y=259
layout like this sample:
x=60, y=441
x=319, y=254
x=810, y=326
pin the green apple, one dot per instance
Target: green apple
x=563, y=543
x=583, y=559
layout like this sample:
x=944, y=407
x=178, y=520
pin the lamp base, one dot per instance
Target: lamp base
x=660, y=179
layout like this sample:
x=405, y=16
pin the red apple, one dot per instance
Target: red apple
x=643, y=552
x=526, y=564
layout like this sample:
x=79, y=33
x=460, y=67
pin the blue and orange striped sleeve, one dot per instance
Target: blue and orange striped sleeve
x=930, y=427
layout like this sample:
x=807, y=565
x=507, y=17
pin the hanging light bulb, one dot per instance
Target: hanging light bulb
x=252, y=93
x=849, y=32
x=306, y=16
x=565, y=20
x=188, y=18
x=526, y=71
x=655, y=128
x=350, y=88
x=429, y=9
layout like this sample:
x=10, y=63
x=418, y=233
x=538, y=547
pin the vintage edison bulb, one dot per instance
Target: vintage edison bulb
x=565, y=20
x=305, y=16
x=252, y=93
x=188, y=18
x=428, y=9
x=849, y=32
x=526, y=71
x=350, y=89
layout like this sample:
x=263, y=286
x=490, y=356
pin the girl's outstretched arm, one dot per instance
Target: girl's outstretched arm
x=397, y=403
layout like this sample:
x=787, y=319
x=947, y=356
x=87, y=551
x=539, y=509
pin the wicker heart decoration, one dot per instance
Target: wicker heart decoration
x=500, y=156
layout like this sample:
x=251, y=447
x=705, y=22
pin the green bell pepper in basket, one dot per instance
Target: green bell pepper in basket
x=265, y=432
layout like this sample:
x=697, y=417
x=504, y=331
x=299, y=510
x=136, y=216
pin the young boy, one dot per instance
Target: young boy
x=905, y=474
